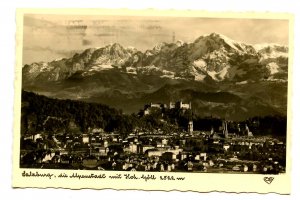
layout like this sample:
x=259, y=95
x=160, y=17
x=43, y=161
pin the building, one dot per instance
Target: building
x=144, y=148
x=85, y=138
x=153, y=106
x=171, y=105
x=180, y=105
x=133, y=148
x=148, y=108
x=225, y=129
x=190, y=127
x=226, y=147
x=103, y=151
x=203, y=156
x=154, y=152
x=248, y=132
x=164, y=141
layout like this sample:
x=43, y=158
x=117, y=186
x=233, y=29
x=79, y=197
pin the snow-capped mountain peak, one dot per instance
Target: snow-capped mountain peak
x=271, y=51
x=214, y=55
x=233, y=44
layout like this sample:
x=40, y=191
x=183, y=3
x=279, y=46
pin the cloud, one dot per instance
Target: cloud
x=49, y=49
x=45, y=54
x=104, y=34
x=59, y=34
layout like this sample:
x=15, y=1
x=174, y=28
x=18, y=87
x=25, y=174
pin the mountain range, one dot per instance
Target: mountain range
x=220, y=76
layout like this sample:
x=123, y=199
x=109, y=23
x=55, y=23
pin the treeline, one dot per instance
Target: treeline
x=40, y=113
x=268, y=125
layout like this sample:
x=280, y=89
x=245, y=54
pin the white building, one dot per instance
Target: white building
x=85, y=138
x=133, y=148
x=180, y=105
x=144, y=148
x=226, y=147
x=157, y=153
x=190, y=127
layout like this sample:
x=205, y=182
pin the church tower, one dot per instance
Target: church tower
x=190, y=127
x=225, y=129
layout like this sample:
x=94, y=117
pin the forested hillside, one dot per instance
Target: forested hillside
x=43, y=114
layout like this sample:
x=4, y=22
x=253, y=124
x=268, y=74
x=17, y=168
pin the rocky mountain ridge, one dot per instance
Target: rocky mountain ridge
x=221, y=77
x=212, y=56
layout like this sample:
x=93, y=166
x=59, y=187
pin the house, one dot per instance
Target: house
x=29, y=137
x=245, y=168
x=215, y=136
x=236, y=168
x=172, y=166
x=96, y=144
x=211, y=163
x=183, y=155
x=154, y=152
x=169, y=168
x=133, y=148
x=37, y=136
x=103, y=151
x=175, y=151
x=144, y=148
x=85, y=139
x=97, y=130
x=201, y=157
x=171, y=105
x=254, y=167
x=105, y=143
x=182, y=142
x=159, y=145
x=48, y=157
x=189, y=166
x=126, y=165
x=154, y=165
x=162, y=167
x=226, y=147
x=234, y=158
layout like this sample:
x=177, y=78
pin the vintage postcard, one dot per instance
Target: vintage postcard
x=153, y=100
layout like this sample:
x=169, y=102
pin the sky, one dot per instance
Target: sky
x=50, y=37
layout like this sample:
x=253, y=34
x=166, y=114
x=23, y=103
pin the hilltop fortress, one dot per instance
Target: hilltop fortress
x=172, y=105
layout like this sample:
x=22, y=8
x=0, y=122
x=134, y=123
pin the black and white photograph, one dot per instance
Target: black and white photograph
x=154, y=93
